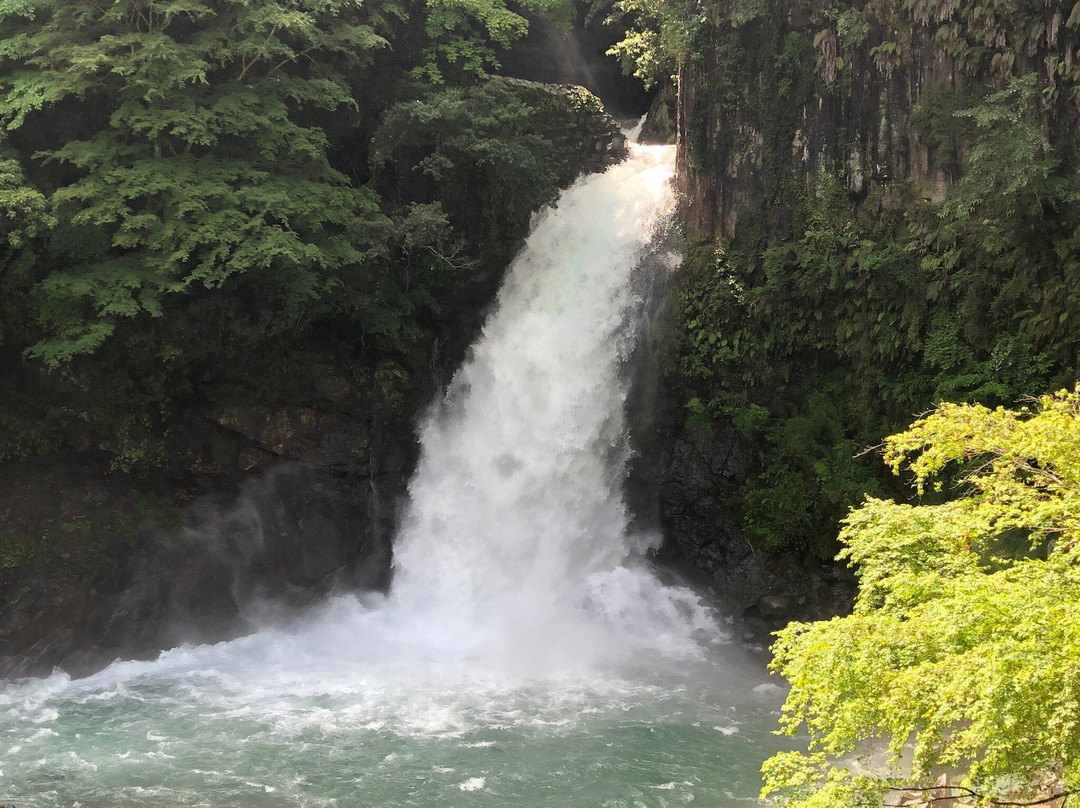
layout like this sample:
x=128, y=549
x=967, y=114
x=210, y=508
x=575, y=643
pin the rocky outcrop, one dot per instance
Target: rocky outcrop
x=662, y=124
x=700, y=470
x=779, y=90
x=330, y=440
x=115, y=571
x=274, y=505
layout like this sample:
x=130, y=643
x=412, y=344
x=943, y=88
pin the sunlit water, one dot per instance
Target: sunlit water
x=525, y=656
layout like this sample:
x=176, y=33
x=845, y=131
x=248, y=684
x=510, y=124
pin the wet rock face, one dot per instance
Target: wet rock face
x=326, y=439
x=842, y=107
x=700, y=470
x=136, y=582
x=661, y=125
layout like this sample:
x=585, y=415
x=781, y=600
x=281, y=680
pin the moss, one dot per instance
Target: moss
x=17, y=549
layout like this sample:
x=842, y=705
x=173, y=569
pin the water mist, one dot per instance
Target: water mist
x=525, y=655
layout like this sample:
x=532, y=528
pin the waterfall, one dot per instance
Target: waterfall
x=525, y=655
x=518, y=485
x=516, y=520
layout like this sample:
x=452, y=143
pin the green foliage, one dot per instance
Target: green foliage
x=15, y=552
x=660, y=36
x=187, y=211
x=206, y=167
x=964, y=648
x=476, y=152
x=24, y=211
x=805, y=478
x=800, y=345
x=934, y=122
x=862, y=293
x=25, y=430
x=1010, y=169
x=465, y=34
x=146, y=511
x=25, y=221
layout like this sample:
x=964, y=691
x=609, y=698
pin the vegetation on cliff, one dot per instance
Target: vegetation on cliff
x=885, y=202
x=199, y=198
x=963, y=652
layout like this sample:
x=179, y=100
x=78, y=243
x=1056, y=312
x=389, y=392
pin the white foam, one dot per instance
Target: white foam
x=519, y=598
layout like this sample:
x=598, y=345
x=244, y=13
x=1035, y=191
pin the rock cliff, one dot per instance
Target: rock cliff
x=777, y=90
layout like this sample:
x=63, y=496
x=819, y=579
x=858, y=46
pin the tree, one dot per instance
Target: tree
x=477, y=152
x=464, y=35
x=182, y=154
x=963, y=650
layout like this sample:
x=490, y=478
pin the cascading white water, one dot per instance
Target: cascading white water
x=516, y=517
x=524, y=657
x=518, y=486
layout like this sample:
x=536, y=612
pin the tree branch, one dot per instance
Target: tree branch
x=967, y=792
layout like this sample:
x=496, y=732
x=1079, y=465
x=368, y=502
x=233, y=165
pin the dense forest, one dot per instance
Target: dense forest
x=199, y=197
x=210, y=210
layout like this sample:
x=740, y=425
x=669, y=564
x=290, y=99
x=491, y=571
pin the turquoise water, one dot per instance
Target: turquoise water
x=265, y=722
x=524, y=657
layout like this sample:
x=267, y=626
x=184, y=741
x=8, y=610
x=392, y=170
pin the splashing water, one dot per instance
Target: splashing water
x=524, y=656
x=517, y=530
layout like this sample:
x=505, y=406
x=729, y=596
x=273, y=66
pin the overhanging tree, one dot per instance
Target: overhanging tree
x=963, y=651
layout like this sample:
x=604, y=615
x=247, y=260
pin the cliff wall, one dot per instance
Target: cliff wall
x=775, y=90
x=882, y=208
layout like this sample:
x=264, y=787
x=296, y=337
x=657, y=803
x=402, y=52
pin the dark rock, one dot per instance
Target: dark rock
x=699, y=473
x=130, y=584
x=326, y=439
x=701, y=469
x=859, y=127
x=661, y=125
x=781, y=607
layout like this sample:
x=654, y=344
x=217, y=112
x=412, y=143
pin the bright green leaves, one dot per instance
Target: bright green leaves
x=24, y=210
x=25, y=222
x=964, y=648
x=659, y=38
x=1026, y=471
